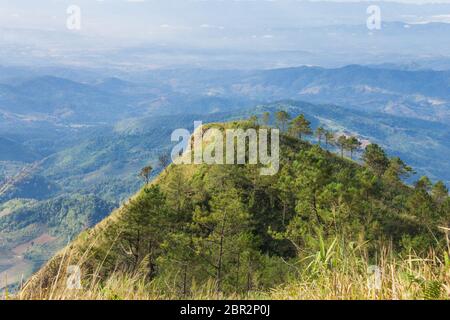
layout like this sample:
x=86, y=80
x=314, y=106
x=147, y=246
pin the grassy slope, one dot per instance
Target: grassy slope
x=413, y=277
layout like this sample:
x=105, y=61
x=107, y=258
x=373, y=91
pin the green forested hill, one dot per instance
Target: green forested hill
x=227, y=229
x=105, y=160
x=68, y=214
x=31, y=231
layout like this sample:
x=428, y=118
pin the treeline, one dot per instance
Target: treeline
x=300, y=127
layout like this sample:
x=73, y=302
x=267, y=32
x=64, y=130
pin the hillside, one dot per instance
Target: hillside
x=225, y=230
x=12, y=151
x=32, y=231
x=102, y=161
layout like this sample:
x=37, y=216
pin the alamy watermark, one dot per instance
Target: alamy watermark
x=374, y=20
x=73, y=21
x=374, y=278
x=73, y=281
x=228, y=146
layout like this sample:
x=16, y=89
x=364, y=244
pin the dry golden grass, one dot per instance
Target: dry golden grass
x=330, y=274
x=409, y=279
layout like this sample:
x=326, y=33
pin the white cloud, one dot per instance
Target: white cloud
x=208, y=26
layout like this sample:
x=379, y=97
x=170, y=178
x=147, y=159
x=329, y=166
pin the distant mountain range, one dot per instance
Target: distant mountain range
x=417, y=94
x=423, y=94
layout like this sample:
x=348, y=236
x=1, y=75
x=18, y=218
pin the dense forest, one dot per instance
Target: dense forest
x=235, y=232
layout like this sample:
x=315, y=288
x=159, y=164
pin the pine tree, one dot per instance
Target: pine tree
x=253, y=120
x=320, y=132
x=375, y=158
x=282, y=118
x=179, y=259
x=312, y=174
x=178, y=191
x=225, y=233
x=266, y=118
x=145, y=174
x=423, y=183
x=299, y=127
x=140, y=230
x=163, y=160
x=284, y=185
x=353, y=144
x=342, y=144
x=396, y=171
x=329, y=138
x=421, y=204
x=439, y=192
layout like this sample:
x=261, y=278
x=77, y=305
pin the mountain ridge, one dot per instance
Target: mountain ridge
x=188, y=196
